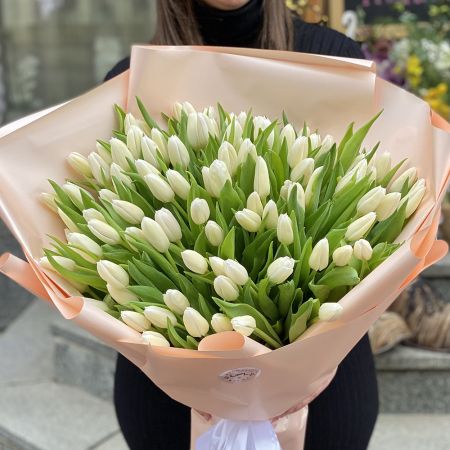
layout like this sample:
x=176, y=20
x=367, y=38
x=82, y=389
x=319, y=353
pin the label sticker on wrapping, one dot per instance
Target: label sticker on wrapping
x=240, y=375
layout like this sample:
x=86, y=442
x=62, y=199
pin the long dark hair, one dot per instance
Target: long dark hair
x=177, y=25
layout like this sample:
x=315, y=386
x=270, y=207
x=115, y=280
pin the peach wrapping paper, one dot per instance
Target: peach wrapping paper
x=327, y=92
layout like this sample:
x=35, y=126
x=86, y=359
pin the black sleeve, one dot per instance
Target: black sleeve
x=120, y=67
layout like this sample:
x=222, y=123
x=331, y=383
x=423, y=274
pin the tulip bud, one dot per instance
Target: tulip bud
x=246, y=148
x=298, y=151
x=99, y=168
x=214, y=233
x=244, y=325
x=315, y=140
x=261, y=182
x=120, y=154
x=303, y=171
x=207, y=180
x=196, y=325
x=220, y=323
x=280, y=270
x=320, y=255
x=242, y=119
x=117, y=172
x=254, y=203
x=260, y=123
x=121, y=295
x=330, y=311
x=228, y=155
x=158, y=316
x=145, y=168
x=74, y=193
x=92, y=213
x=288, y=134
x=327, y=143
x=85, y=244
x=178, y=183
x=104, y=153
x=270, y=215
x=237, y=133
x=285, y=233
x=159, y=188
x=342, y=255
x=80, y=164
x=218, y=176
x=388, y=205
x=134, y=139
x=197, y=130
x=414, y=197
x=362, y=250
x=106, y=233
x=210, y=112
x=68, y=222
x=382, y=165
x=199, y=211
x=178, y=153
x=300, y=194
x=176, y=301
x=409, y=175
x=213, y=128
x=177, y=111
x=49, y=201
x=188, y=108
x=161, y=143
x=370, y=201
x=248, y=220
x=312, y=185
x=128, y=211
x=129, y=121
x=217, y=265
x=150, y=152
x=284, y=191
x=360, y=227
x=113, y=274
x=169, y=224
x=155, y=235
x=135, y=320
x=235, y=271
x=154, y=338
x=67, y=263
x=226, y=288
x=194, y=261
x=107, y=195
x=135, y=233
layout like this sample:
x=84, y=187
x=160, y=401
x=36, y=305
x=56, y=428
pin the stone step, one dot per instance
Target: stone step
x=412, y=380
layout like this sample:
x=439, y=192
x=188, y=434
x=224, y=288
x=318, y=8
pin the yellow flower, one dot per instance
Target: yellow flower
x=414, y=70
x=435, y=97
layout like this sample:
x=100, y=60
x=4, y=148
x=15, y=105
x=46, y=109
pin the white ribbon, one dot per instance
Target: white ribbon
x=239, y=435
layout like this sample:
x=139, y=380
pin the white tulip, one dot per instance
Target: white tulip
x=188, y=108
x=226, y=288
x=357, y=229
x=388, y=205
x=155, y=235
x=121, y=295
x=220, y=323
x=107, y=195
x=178, y=153
x=320, y=255
x=217, y=265
x=213, y=127
x=327, y=143
x=371, y=200
x=303, y=170
x=280, y=270
x=161, y=143
x=261, y=123
x=68, y=222
x=409, y=175
x=154, y=338
x=104, y=153
x=197, y=130
x=207, y=180
x=298, y=152
x=150, y=152
x=97, y=303
x=85, y=244
x=248, y=220
x=244, y=325
x=330, y=311
x=129, y=121
x=158, y=316
x=312, y=185
x=315, y=140
x=135, y=233
x=288, y=134
x=169, y=224
x=235, y=271
x=218, y=176
x=382, y=165
x=237, y=133
x=177, y=111
x=254, y=203
x=284, y=191
x=74, y=193
x=301, y=198
x=246, y=148
x=91, y=213
x=270, y=215
x=128, y=211
x=99, y=168
x=80, y=164
x=134, y=139
x=261, y=182
x=195, y=261
x=196, y=325
x=414, y=199
x=49, y=201
x=113, y=274
x=176, y=301
x=228, y=155
x=67, y=263
x=178, y=183
x=199, y=211
x=362, y=250
x=214, y=233
x=120, y=154
x=160, y=188
x=117, y=172
x=342, y=255
x=106, y=233
x=145, y=168
x=285, y=232
x=135, y=320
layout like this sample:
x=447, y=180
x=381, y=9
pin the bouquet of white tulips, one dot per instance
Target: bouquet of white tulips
x=227, y=222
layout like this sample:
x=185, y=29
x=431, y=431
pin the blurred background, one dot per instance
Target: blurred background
x=53, y=50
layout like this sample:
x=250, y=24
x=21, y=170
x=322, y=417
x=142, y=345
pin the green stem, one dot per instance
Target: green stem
x=266, y=338
x=182, y=211
x=171, y=260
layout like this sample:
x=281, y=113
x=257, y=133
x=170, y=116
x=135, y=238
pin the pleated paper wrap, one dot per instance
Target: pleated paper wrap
x=231, y=376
